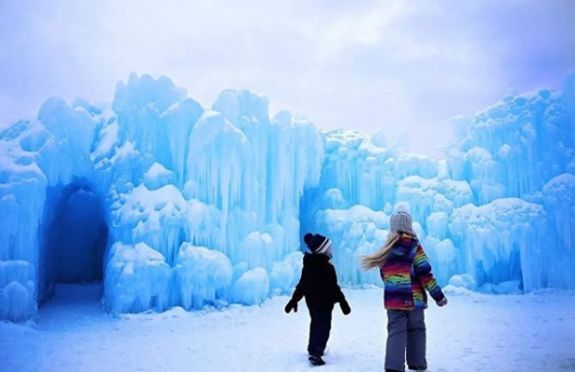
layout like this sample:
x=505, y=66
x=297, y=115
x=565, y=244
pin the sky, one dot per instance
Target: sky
x=404, y=67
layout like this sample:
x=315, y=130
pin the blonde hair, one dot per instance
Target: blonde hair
x=380, y=257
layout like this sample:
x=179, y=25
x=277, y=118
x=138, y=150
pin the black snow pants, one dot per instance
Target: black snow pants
x=318, y=330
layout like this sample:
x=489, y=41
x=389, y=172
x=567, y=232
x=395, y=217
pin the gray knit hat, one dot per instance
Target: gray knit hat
x=401, y=221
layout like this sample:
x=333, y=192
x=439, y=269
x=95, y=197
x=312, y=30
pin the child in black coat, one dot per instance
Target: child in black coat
x=318, y=284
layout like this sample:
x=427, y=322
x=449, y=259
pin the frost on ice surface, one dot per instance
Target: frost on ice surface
x=503, y=239
x=202, y=275
x=194, y=206
x=169, y=175
x=137, y=278
x=355, y=231
x=17, y=292
x=154, y=217
x=497, y=210
x=252, y=287
x=157, y=176
x=285, y=274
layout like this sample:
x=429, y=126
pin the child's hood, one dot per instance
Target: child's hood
x=404, y=245
x=314, y=259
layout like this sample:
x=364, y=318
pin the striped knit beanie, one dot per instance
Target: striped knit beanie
x=318, y=244
x=401, y=221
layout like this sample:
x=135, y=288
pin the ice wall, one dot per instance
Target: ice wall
x=226, y=198
x=196, y=206
x=514, y=147
x=38, y=157
x=187, y=205
x=495, y=215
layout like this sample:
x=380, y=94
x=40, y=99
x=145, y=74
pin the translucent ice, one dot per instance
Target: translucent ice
x=174, y=204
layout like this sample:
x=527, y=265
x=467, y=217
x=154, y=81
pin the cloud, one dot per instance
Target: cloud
x=361, y=65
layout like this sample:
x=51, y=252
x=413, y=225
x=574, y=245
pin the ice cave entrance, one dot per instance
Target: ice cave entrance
x=75, y=238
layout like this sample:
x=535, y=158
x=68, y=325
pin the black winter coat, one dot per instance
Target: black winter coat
x=318, y=283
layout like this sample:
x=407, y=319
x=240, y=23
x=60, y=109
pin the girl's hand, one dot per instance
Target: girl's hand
x=443, y=302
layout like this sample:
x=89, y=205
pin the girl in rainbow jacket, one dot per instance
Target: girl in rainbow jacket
x=406, y=273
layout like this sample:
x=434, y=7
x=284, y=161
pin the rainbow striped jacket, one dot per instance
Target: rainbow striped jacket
x=406, y=274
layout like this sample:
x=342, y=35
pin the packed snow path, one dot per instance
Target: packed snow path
x=534, y=332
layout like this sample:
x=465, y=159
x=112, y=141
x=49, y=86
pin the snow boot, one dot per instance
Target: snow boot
x=417, y=369
x=316, y=360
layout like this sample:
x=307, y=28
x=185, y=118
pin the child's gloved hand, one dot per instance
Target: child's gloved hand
x=292, y=304
x=345, y=309
x=442, y=302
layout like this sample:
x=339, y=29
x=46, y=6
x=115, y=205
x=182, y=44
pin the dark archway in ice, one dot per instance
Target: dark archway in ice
x=74, y=238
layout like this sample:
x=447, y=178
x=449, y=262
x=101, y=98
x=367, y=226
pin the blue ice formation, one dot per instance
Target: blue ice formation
x=496, y=215
x=174, y=204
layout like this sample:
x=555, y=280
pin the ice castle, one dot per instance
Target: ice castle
x=173, y=204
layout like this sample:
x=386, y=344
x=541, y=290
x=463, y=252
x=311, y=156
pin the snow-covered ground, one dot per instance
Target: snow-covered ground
x=534, y=332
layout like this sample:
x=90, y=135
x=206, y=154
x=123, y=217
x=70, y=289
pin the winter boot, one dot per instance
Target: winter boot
x=316, y=360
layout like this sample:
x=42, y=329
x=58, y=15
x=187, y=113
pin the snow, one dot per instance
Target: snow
x=201, y=273
x=256, y=250
x=252, y=287
x=356, y=231
x=16, y=290
x=157, y=176
x=137, y=278
x=504, y=230
x=534, y=332
x=410, y=164
x=461, y=281
x=108, y=137
x=154, y=217
x=285, y=274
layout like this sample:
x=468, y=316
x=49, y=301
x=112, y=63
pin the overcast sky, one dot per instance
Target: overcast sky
x=399, y=65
